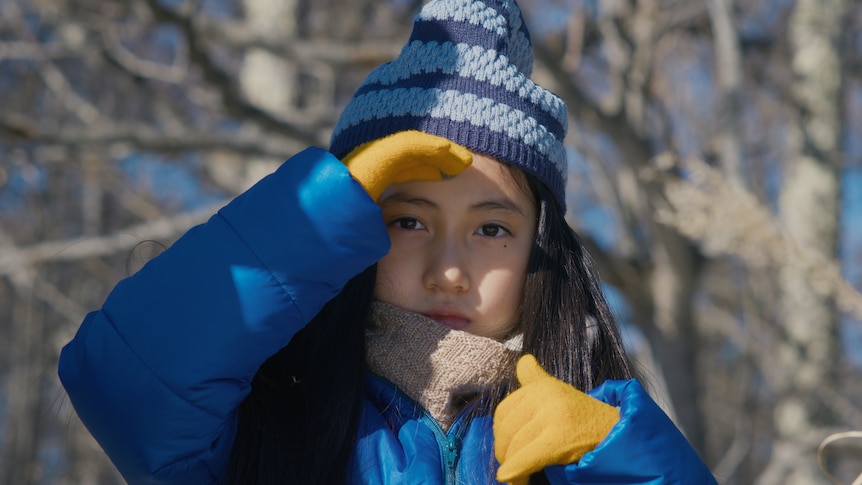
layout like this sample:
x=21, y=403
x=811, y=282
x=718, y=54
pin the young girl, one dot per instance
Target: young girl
x=357, y=316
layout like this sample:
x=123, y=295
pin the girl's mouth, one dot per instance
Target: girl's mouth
x=453, y=321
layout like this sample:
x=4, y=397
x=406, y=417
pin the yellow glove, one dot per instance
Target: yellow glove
x=405, y=156
x=546, y=422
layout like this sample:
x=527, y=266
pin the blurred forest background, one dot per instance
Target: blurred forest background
x=716, y=175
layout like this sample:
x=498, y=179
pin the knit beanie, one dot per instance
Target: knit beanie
x=464, y=75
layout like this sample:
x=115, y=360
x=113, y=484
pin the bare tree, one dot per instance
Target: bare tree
x=707, y=149
x=810, y=209
x=717, y=318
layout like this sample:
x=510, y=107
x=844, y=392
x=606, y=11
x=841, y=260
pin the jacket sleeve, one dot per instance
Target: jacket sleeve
x=643, y=447
x=157, y=374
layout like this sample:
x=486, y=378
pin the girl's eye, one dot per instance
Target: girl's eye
x=409, y=224
x=492, y=230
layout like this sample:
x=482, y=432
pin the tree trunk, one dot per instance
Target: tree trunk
x=810, y=211
x=23, y=386
x=268, y=81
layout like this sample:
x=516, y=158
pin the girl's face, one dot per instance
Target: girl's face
x=460, y=248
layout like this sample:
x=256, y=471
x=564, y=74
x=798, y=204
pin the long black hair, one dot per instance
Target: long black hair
x=299, y=423
x=567, y=322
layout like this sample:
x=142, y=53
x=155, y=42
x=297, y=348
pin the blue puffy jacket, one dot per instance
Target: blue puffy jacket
x=157, y=374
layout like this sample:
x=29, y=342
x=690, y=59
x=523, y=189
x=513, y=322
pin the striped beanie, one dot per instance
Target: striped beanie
x=464, y=75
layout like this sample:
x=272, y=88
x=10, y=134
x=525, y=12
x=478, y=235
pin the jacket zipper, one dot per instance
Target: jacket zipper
x=450, y=443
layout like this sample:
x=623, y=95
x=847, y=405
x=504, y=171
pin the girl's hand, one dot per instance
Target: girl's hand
x=545, y=422
x=405, y=156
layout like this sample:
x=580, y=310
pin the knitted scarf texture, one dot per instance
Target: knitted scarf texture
x=440, y=368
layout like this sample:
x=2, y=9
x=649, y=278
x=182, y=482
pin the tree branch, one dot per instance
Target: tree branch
x=728, y=66
x=163, y=229
x=144, y=137
x=218, y=78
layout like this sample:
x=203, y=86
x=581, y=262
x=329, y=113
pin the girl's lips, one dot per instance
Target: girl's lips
x=455, y=322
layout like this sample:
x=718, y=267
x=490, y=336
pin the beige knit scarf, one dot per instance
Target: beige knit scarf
x=440, y=368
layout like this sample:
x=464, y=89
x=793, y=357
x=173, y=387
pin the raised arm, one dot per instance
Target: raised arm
x=156, y=375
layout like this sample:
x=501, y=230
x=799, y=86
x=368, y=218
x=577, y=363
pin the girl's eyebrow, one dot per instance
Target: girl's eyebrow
x=501, y=203
x=400, y=197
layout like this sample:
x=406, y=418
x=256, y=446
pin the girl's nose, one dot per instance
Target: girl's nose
x=446, y=268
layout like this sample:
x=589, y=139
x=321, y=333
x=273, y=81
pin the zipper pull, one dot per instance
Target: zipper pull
x=452, y=447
